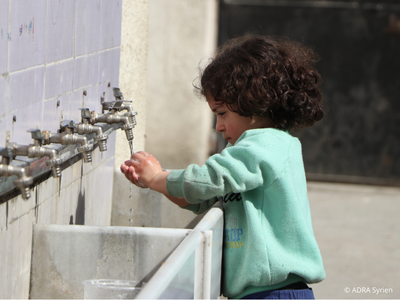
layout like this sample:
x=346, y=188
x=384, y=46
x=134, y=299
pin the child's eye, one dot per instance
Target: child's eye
x=220, y=113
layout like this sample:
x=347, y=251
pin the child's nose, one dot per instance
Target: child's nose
x=219, y=126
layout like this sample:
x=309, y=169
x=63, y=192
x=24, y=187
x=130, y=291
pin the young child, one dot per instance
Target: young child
x=259, y=88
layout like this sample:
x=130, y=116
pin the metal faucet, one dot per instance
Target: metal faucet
x=23, y=182
x=66, y=136
x=129, y=118
x=36, y=150
x=86, y=128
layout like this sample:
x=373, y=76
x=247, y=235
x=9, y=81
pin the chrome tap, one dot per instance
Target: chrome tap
x=86, y=128
x=23, y=181
x=66, y=136
x=36, y=150
x=113, y=116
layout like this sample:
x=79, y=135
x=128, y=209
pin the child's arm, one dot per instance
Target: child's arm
x=144, y=170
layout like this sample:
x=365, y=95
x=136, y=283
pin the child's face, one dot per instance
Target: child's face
x=231, y=124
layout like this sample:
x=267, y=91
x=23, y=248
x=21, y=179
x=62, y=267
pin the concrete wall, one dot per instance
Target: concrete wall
x=182, y=33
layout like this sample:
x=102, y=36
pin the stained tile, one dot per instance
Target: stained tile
x=60, y=30
x=17, y=207
x=87, y=27
x=4, y=13
x=27, y=34
x=47, y=211
x=47, y=189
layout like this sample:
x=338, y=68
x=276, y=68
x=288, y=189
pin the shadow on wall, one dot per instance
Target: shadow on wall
x=80, y=211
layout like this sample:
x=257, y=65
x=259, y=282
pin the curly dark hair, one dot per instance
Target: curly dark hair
x=266, y=76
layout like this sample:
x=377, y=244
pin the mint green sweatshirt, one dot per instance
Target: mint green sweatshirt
x=269, y=239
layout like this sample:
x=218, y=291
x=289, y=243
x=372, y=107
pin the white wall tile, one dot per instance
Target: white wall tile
x=3, y=217
x=109, y=72
x=52, y=114
x=110, y=146
x=3, y=261
x=92, y=99
x=28, y=33
x=72, y=108
x=86, y=71
x=17, y=207
x=3, y=131
x=68, y=109
x=70, y=175
x=3, y=107
x=60, y=30
x=87, y=26
x=4, y=13
x=26, y=88
x=28, y=117
x=98, y=195
x=111, y=14
x=59, y=78
x=67, y=203
x=18, y=239
x=6, y=125
x=47, y=211
x=47, y=190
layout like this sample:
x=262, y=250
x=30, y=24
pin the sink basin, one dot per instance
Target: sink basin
x=174, y=263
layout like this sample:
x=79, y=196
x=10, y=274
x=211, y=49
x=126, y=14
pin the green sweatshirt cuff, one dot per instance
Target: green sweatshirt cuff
x=175, y=183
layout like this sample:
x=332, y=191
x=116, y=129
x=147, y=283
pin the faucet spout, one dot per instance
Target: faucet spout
x=128, y=120
x=86, y=128
x=23, y=182
x=36, y=151
x=66, y=136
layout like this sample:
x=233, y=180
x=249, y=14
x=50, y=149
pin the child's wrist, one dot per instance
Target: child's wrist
x=159, y=182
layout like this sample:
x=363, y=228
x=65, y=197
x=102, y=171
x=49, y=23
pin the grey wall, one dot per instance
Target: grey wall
x=358, y=140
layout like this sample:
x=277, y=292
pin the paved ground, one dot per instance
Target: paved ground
x=357, y=228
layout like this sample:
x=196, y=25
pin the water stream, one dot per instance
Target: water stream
x=130, y=186
x=131, y=146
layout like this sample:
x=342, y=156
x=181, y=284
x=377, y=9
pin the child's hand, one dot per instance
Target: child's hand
x=141, y=169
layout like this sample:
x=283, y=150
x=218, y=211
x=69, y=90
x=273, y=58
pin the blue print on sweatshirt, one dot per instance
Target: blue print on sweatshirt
x=233, y=234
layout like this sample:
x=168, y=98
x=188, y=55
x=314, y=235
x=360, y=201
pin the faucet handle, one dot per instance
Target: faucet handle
x=7, y=153
x=86, y=115
x=118, y=94
x=36, y=135
x=118, y=105
x=67, y=124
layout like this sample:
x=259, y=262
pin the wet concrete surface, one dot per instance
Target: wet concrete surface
x=357, y=229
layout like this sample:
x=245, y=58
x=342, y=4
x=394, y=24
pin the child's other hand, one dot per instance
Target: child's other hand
x=141, y=169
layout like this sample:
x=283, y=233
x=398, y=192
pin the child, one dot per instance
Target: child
x=259, y=88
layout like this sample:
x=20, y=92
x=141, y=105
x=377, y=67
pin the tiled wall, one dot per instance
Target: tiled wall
x=50, y=52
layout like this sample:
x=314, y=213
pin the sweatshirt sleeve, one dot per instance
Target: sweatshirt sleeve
x=239, y=168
